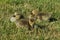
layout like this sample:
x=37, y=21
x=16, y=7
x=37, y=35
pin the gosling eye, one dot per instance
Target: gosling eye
x=14, y=16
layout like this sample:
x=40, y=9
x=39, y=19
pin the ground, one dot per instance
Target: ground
x=8, y=30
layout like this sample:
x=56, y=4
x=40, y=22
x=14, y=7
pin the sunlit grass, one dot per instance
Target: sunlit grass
x=8, y=30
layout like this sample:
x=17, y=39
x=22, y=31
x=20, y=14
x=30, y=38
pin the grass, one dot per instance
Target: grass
x=8, y=30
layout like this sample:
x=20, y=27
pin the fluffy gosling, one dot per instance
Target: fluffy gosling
x=41, y=15
x=20, y=21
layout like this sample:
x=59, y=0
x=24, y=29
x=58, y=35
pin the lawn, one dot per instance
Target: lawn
x=8, y=30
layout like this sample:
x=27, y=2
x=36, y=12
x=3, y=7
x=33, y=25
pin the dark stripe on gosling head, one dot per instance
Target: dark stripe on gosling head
x=21, y=17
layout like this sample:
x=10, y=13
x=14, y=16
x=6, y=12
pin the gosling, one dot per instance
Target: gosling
x=41, y=15
x=21, y=21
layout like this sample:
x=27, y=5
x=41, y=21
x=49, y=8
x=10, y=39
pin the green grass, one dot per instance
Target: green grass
x=8, y=30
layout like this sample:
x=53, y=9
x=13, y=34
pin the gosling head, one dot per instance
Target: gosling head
x=35, y=12
x=16, y=17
